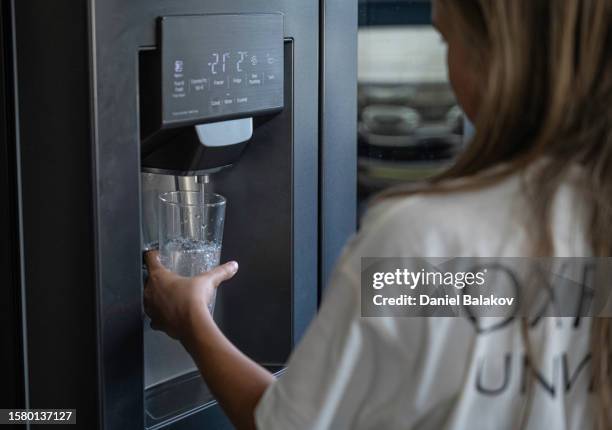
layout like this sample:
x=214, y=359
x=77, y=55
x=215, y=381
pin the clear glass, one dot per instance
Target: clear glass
x=191, y=232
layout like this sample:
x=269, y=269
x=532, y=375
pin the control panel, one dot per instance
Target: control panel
x=220, y=66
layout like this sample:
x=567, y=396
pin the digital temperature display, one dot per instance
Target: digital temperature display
x=220, y=66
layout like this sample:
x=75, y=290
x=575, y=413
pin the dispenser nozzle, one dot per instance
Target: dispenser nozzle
x=203, y=184
x=203, y=179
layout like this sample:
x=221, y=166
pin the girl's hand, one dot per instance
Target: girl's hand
x=174, y=303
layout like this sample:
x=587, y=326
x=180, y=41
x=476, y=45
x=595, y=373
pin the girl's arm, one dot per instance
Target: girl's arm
x=178, y=306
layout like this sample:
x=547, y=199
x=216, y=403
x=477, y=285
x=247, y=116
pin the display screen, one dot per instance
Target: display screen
x=220, y=66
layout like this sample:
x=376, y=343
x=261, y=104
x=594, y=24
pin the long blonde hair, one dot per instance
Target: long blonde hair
x=547, y=92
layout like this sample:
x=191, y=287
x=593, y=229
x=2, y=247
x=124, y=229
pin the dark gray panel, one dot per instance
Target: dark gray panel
x=13, y=393
x=338, y=158
x=53, y=85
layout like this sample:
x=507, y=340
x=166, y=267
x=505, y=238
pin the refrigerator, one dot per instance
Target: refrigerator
x=84, y=86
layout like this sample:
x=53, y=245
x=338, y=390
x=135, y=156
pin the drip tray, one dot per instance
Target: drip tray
x=175, y=399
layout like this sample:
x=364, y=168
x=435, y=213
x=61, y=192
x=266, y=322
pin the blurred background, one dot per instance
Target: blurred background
x=409, y=124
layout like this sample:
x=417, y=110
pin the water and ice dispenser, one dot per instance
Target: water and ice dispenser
x=206, y=89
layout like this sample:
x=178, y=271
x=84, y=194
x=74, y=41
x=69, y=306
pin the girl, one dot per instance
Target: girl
x=535, y=76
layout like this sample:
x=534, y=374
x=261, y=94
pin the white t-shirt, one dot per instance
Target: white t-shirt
x=360, y=373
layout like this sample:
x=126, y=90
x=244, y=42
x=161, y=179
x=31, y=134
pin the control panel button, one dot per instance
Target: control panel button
x=237, y=82
x=178, y=90
x=219, y=82
x=254, y=79
x=200, y=84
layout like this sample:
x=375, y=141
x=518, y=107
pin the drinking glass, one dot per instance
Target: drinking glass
x=191, y=232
